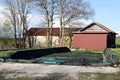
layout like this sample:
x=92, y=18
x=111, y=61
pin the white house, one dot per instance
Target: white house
x=37, y=37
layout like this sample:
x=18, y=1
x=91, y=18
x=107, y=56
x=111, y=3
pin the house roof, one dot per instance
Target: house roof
x=102, y=29
x=55, y=31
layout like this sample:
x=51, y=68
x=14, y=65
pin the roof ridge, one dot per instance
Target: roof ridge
x=100, y=25
x=55, y=31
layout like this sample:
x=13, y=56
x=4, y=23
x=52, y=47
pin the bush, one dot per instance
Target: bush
x=7, y=41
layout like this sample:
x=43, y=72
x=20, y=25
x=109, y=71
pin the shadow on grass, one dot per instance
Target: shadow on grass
x=32, y=54
x=117, y=46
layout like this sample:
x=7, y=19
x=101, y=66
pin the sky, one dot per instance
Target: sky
x=107, y=12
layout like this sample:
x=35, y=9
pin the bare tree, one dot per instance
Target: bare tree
x=18, y=13
x=12, y=16
x=23, y=9
x=48, y=8
x=71, y=10
x=67, y=10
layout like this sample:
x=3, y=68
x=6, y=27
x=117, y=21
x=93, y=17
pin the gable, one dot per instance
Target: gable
x=95, y=28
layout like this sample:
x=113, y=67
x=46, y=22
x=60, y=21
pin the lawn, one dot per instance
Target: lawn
x=69, y=54
x=117, y=51
x=74, y=55
x=118, y=41
x=7, y=53
x=79, y=56
x=98, y=76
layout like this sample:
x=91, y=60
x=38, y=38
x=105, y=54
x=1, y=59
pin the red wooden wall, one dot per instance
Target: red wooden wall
x=90, y=41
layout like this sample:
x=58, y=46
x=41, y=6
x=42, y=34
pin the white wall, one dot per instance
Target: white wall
x=42, y=41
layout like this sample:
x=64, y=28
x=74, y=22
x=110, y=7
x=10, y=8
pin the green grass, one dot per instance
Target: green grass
x=76, y=55
x=10, y=52
x=98, y=76
x=7, y=53
x=83, y=50
x=117, y=51
x=118, y=41
x=82, y=54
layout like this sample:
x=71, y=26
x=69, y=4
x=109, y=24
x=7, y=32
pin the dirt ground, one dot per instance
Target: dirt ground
x=15, y=70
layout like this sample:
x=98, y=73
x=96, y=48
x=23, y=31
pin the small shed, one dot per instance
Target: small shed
x=94, y=37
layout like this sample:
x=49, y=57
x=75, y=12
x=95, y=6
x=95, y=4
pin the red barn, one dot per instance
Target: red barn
x=94, y=37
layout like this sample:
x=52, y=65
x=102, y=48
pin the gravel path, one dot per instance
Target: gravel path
x=12, y=70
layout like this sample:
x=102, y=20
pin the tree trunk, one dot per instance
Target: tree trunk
x=61, y=21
